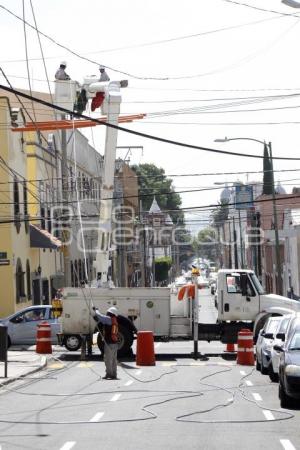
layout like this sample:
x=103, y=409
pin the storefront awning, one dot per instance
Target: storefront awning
x=43, y=239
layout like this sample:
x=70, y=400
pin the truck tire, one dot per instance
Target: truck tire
x=73, y=342
x=124, y=344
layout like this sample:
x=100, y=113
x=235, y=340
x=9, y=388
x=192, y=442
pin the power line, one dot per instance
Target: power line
x=144, y=135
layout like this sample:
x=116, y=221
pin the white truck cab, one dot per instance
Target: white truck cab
x=242, y=297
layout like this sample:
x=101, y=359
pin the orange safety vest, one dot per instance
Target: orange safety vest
x=186, y=291
x=114, y=329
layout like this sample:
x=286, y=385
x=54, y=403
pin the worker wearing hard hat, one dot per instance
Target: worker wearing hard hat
x=61, y=72
x=103, y=74
x=110, y=322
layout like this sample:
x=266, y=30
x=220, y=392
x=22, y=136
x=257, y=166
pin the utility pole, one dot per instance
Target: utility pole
x=277, y=243
x=65, y=198
x=236, y=263
x=241, y=240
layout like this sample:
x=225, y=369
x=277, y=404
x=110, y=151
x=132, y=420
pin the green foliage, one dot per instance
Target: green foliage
x=152, y=182
x=162, y=267
x=205, y=244
x=220, y=214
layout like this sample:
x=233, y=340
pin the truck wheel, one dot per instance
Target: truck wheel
x=73, y=342
x=124, y=343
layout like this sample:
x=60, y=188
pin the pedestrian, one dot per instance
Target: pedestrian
x=103, y=74
x=110, y=337
x=61, y=72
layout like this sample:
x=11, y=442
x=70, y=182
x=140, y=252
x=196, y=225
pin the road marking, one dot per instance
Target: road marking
x=268, y=415
x=97, y=417
x=128, y=383
x=84, y=364
x=68, y=445
x=54, y=366
x=242, y=372
x=286, y=444
x=257, y=397
x=115, y=397
x=249, y=383
x=158, y=344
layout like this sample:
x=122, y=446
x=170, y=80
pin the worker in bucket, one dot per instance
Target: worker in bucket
x=61, y=72
x=103, y=74
x=110, y=322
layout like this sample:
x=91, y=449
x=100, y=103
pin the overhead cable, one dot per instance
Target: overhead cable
x=144, y=135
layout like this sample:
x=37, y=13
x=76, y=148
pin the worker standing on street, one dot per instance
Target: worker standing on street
x=103, y=74
x=110, y=323
x=61, y=72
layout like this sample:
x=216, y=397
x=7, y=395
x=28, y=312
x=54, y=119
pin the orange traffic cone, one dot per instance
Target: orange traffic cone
x=43, y=338
x=230, y=348
x=245, y=355
x=145, y=349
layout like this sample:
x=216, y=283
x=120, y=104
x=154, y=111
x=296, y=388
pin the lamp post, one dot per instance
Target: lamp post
x=277, y=247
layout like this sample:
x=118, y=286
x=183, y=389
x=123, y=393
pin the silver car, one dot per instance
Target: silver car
x=278, y=340
x=264, y=344
x=22, y=325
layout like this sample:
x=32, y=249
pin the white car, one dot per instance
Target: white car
x=278, y=340
x=264, y=344
x=22, y=325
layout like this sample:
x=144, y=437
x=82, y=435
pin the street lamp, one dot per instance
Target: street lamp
x=277, y=248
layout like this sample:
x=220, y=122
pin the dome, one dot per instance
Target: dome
x=280, y=189
x=225, y=195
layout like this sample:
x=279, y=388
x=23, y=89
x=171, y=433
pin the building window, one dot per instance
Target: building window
x=17, y=205
x=20, y=285
x=28, y=279
x=43, y=222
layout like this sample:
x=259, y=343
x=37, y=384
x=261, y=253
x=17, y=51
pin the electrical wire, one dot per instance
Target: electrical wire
x=147, y=136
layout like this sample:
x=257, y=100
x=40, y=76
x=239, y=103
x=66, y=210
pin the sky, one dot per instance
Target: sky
x=200, y=69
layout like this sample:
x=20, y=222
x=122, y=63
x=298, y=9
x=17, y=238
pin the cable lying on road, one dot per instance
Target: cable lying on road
x=180, y=394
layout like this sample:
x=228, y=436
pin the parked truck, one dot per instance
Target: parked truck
x=242, y=303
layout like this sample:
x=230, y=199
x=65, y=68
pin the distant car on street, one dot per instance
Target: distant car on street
x=22, y=325
x=202, y=282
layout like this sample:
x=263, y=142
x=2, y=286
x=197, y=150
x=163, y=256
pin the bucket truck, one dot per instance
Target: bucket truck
x=241, y=301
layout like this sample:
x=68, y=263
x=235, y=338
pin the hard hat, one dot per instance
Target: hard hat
x=63, y=63
x=113, y=310
x=101, y=67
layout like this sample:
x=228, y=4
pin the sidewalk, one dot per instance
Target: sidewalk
x=20, y=364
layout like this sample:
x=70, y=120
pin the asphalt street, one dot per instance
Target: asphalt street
x=178, y=403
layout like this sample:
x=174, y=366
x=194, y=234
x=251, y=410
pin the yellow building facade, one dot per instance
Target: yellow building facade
x=30, y=259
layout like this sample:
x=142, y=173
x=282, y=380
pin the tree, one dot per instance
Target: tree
x=205, y=243
x=162, y=267
x=268, y=173
x=152, y=181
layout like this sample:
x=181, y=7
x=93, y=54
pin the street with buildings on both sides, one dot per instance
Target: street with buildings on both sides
x=180, y=401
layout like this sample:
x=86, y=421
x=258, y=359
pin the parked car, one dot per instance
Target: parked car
x=264, y=344
x=278, y=340
x=202, y=282
x=289, y=365
x=22, y=325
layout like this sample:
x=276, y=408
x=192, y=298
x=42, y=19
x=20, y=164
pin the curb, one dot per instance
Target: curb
x=43, y=363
